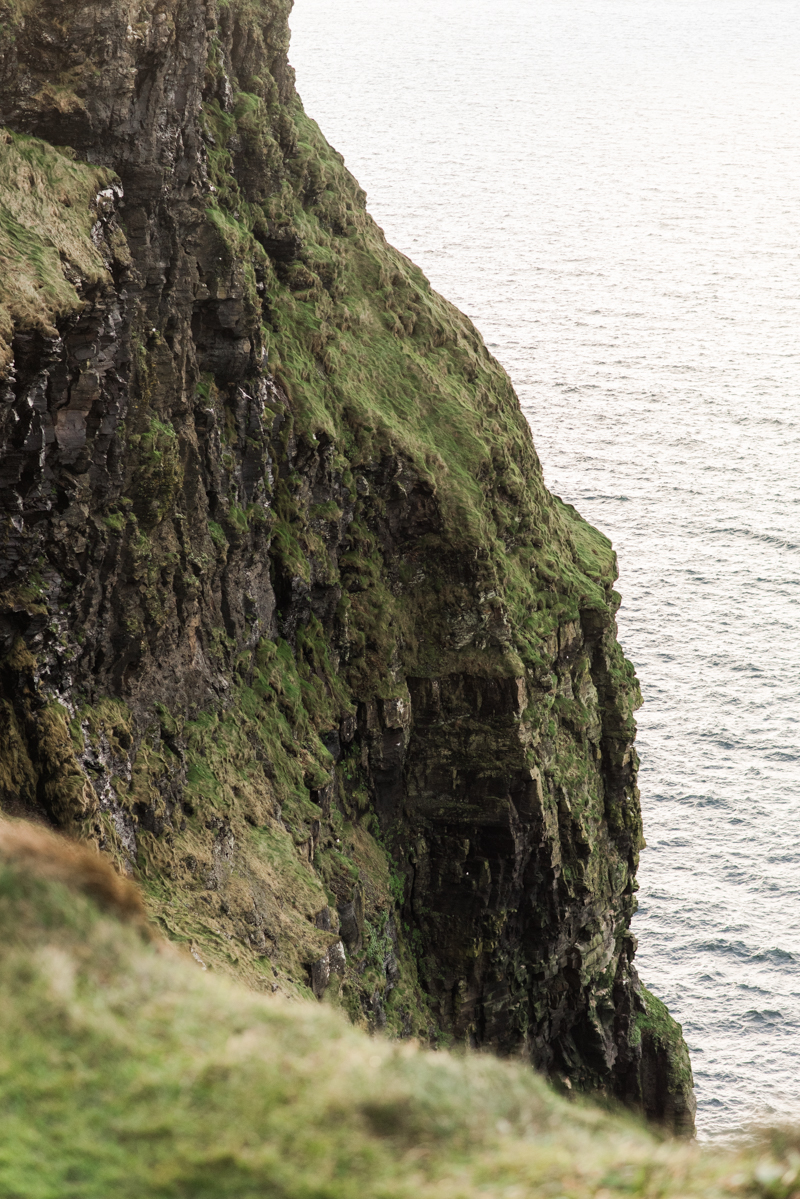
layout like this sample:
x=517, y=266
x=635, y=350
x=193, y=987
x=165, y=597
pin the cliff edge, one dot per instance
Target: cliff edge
x=290, y=625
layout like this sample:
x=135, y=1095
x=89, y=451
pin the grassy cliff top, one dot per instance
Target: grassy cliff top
x=126, y=1070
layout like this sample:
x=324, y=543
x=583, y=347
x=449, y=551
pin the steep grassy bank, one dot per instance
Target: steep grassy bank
x=290, y=625
x=124, y=1070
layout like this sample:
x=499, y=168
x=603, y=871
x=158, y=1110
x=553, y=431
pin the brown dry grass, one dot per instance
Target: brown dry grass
x=49, y=855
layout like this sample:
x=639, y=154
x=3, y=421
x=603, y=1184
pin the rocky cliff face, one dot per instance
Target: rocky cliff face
x=290, y=625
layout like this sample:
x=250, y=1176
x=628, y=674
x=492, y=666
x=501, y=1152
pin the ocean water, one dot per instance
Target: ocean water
x=611, y=190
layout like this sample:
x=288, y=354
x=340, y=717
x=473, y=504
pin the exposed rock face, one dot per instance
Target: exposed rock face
x=290, y=624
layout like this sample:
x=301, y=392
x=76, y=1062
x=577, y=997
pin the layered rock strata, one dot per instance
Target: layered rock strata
x=290, y=625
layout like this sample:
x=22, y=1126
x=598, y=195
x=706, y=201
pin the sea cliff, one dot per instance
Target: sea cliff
x=290, y=625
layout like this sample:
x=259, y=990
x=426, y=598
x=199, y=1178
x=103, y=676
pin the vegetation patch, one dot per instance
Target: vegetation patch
x=47, y=256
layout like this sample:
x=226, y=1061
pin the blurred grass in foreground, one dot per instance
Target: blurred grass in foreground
x=126, y=1071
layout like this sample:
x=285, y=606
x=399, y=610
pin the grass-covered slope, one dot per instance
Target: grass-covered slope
x=289, y=623
x=49, y=204
x=127, y=1071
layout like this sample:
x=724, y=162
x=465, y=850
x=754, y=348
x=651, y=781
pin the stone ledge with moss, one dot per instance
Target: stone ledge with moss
x=290, y=625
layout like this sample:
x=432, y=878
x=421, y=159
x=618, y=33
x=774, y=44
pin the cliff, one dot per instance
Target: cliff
x=290, y=626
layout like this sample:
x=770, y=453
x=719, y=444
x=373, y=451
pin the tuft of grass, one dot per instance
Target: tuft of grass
x=46, y=251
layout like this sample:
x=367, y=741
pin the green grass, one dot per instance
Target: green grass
x=46, y=220
x=127, y=1070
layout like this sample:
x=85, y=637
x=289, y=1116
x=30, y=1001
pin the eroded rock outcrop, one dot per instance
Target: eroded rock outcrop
x=290, y=624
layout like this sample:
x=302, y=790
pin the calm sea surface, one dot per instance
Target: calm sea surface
x=611, y=190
